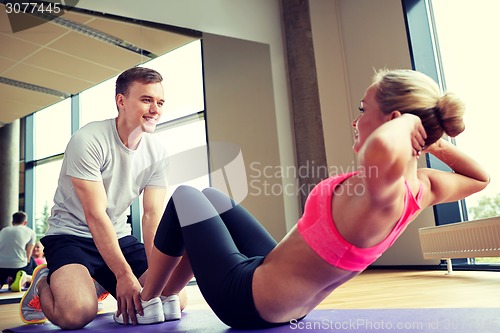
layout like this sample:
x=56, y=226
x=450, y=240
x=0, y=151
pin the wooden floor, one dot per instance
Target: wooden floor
x=374, y=289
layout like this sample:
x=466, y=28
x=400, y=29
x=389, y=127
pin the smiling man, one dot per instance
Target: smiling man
x=107, y=165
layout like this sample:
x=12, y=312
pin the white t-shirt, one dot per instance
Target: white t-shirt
x=13, y=242
x=96, y=153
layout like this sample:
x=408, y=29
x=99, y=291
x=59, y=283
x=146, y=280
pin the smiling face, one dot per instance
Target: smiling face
x=141, y=107
x=38, y=250
x=370, y=118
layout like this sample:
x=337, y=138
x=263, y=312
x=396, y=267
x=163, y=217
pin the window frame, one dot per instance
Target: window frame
x=425, y=58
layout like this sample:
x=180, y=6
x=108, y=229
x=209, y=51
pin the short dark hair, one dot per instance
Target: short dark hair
x=140, y=74
x=19, y=217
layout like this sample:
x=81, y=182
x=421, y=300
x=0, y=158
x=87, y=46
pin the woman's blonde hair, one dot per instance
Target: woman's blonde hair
x=409, y=91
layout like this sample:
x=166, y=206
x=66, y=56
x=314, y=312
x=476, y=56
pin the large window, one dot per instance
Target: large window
x=98, y=102
x=467, y=35
x=51, y=132
x=46, y=175
x=52, y=129
x=186, y=142
x=455, y=42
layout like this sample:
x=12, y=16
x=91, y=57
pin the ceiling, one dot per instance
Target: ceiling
x=48, y=62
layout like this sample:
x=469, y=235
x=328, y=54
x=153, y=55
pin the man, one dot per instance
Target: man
x=16, y=246
x=107, y=165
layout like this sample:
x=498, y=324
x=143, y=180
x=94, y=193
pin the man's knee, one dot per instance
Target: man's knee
x=75, y=316
x=74, y=302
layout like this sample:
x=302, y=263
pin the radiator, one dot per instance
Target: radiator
x=472, y=239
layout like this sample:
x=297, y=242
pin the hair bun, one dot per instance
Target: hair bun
x=450, y=110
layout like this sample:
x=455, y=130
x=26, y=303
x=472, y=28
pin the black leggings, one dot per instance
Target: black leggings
x=225, y=245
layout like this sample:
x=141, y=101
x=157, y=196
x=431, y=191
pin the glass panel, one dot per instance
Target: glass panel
x=52, y=128
x=98, y=102
x=182, y=80
x=46, y=176
x=469, y=57
x=180, y=141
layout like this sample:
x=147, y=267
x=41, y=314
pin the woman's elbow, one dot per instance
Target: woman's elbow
x=480, y=184
x=485, y=182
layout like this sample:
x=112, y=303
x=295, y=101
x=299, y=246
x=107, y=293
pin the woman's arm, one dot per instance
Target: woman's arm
x=468, y=176
x=386, y=154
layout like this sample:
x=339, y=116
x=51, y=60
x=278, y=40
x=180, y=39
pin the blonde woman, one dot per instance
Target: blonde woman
x=250, y=281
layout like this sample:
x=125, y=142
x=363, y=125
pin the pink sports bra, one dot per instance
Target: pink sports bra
x=318, y=230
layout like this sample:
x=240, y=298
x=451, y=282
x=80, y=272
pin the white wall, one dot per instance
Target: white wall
x=239, y=103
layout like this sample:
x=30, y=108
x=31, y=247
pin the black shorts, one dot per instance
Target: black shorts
x=61, y=250
x=5, y=273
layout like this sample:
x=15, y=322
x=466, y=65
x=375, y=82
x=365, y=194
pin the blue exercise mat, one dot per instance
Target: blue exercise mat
x=481, y=320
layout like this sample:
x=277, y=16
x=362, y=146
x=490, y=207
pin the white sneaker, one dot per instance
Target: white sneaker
x=153, y=313
x=171, y=307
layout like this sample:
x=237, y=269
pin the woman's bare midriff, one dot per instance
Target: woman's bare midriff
x=293, y=280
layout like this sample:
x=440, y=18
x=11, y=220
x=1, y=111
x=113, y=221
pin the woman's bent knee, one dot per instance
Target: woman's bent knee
x=192, y=206
x=219, y=199
x=185, y=190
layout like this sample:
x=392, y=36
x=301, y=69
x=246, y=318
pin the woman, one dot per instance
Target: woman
x=251, y=282
x=38, y=254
